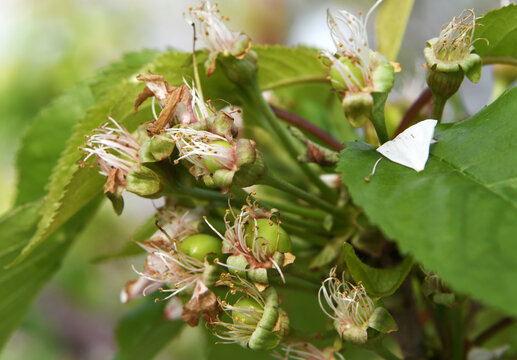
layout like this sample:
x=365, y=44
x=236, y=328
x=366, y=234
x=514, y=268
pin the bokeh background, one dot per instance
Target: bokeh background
x=46, y=46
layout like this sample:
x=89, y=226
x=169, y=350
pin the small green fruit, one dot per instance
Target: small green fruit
x=211, y=163
x=199, y=245
x=250, y=311
x=271, y=236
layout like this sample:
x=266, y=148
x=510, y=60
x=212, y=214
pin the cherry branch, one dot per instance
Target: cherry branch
x=308, y=127
x=492, y=330
x=414, y=110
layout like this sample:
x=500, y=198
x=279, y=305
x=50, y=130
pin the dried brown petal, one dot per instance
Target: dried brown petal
x=114, y=181
x=288, y=259
x=179, y=94
x=158, y=86
x=135, y=288
x=144, y=95
x=203, y=302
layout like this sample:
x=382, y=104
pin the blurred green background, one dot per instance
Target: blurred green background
x=46, y=46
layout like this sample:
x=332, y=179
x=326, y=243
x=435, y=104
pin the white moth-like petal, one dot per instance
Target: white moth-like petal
x=411, y=147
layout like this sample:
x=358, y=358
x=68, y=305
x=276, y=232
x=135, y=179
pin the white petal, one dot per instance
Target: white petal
x=411, y=147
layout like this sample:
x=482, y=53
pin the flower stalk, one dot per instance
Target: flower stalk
x=273, y=181
x=258, y=101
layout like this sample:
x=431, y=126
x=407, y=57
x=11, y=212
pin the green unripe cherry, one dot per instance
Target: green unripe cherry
x=246, y=316
x=271, y=236
x=211, y=163
x=199, y=245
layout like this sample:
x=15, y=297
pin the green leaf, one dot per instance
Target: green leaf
x=16, y=226
x=114, y=73
x=377, y=282
x=176, y=67
x=282, y=66
x=22, y=283
x=144, y=331
x=459, y=216
x=391, y=26
x=278, y=66
x=72, y=187
x=496, y=33
x=45, y=139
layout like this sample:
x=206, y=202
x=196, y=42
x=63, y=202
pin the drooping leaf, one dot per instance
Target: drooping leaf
x=459, y=216
x=496, y=33
x=391, y=26
x=144, y=331
x=21, y=284
x=377, y=282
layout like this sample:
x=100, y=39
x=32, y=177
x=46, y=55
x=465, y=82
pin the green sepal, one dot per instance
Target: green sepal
x=270, y=316
x=352, y=333
x=241, y=46
x=377, y=282
x=447, y=299
x=143, y=182
x=117, y=201
x=209, y=181
x=336, y=78
x=472, y=67
x=383, y=77
x=382, y=321
x=250, y=174
x=211, y=274
x=155, y=149
x=223, y=178
x=245, y=152
x=279, y=257
x=262, y=339
x=259, y=275
x=273, y=325
x=371, y=331
x=239, y=71
x=237, y=262
x=222, y=125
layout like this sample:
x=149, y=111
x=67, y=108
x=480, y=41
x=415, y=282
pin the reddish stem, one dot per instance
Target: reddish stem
x=308, y=127
x=414, y=110
x=492, y=330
